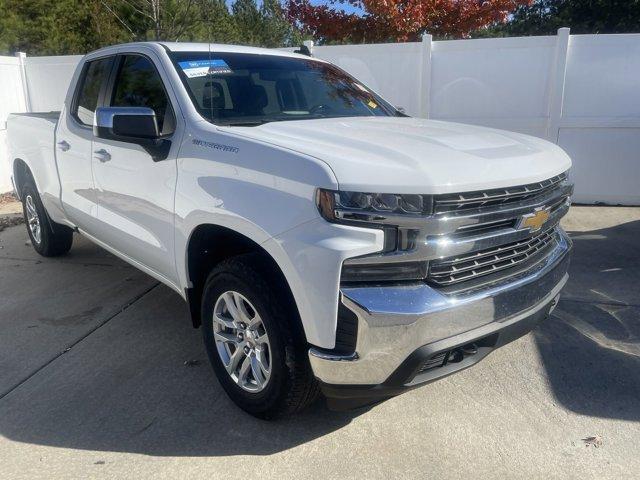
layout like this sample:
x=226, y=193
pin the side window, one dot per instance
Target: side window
x=93, y=76
x=138, y=84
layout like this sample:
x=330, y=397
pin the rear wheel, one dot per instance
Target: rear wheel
x=257, y=353
x=49, y=239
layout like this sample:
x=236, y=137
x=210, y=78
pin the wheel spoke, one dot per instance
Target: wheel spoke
x=226, y=337
x=255, y=321
x=236, y=357
x=264, y=362
x=244, y=371
x=247, y=317
x=224, y=322
x=256, y=370
x=262, y=339
x=30, y=206
x=229, y=301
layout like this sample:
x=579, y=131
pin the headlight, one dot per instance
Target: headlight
x=348, y=207
x=396, y=215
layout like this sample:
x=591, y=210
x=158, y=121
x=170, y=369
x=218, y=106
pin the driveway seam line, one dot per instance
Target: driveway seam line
x=595, y=302
x=78, y=340
x=59, y=262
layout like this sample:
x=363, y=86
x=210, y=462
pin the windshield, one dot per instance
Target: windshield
x=248, y=89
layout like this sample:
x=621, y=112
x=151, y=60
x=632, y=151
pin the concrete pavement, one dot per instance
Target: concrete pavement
x=93, y=384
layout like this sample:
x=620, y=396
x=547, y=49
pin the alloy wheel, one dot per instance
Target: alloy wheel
x=33, y=219
x=242, y=341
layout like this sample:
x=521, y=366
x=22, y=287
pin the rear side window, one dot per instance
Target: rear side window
x=138, y=84
x=93, y=77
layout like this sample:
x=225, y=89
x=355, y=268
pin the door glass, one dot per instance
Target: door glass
x=138, y=84
x=87, y=97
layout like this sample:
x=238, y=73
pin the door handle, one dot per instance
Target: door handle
x=102, y=155
x=63, y=145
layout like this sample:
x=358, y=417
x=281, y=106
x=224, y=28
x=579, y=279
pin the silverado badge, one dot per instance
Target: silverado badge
x=534, y=221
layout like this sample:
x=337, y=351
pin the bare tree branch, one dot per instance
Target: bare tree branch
x=137, y=9
x=117, y=17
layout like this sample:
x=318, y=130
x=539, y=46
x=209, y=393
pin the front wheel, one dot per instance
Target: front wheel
x=48, y=239
x=257, y=353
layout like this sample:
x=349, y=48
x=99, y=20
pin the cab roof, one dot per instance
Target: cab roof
x=203, y=47
x=220, y=47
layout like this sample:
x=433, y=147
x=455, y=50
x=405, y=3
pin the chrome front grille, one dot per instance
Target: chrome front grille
x=468, y=237
x=495, y=197
x=452, y=270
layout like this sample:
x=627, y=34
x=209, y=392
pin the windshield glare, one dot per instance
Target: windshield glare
x=249, y=89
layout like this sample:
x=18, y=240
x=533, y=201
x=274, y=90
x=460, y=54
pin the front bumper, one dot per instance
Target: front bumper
x=400, y=328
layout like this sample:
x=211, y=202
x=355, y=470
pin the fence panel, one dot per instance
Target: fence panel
x=394, y=70
x=502, y=83
x=579, y=91
x=12, y=99
x=600, y=123
x=48, y=79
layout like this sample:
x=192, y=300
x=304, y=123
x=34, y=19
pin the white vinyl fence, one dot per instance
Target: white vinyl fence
x=12, y=99
x=579, y=91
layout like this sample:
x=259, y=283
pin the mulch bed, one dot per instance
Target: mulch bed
x=7, y=221
x=7, y=198
x=11, y=219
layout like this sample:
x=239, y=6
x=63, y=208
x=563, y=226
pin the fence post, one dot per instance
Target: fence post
x=557, y=83
x=309, y=45
x=23, y=76
x=425, y=75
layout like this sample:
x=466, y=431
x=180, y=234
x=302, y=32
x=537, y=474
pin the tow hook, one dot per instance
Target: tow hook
x=460, y=353
x=470, y=349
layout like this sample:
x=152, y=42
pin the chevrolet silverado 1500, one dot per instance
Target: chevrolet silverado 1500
x=323, y=240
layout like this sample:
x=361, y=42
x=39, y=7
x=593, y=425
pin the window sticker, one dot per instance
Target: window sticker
x=201, y=68
x=372, y=104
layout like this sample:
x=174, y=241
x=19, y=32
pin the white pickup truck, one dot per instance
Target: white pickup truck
x=324, y=241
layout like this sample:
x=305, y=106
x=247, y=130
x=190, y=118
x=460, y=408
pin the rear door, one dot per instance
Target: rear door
x=135, y=194
x=74, y=136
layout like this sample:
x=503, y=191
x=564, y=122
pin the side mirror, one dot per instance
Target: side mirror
x=126, y=124
x=131, y=125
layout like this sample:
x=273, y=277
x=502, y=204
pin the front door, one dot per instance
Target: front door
x=135, y=194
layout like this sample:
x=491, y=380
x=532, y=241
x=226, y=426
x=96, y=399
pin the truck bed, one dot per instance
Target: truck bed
x=52, y=115
x=31, y=139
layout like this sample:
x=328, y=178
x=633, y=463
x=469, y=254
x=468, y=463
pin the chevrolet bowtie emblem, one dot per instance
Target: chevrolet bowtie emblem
x=534, y=221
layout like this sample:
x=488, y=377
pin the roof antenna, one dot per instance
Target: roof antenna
x=209, y=83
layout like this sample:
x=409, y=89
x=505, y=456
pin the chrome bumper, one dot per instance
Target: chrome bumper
x=396, y=321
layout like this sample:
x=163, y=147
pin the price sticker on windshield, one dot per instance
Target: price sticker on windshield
x=202, y=68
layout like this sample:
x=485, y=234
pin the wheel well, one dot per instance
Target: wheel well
x=21, y=173
x=211, y=244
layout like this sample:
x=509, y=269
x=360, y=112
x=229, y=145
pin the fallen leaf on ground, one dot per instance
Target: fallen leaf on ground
x=593, y=441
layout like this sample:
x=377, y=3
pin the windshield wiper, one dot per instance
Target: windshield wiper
x=248, y=123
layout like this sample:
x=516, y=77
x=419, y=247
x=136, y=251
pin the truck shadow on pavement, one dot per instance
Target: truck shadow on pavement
x=590, y=347
x=142, y=384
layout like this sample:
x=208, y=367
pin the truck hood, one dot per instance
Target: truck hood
x=411, y=155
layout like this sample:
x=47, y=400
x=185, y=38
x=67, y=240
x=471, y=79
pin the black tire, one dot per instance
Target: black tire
x=54, y=239
x=291, y=386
